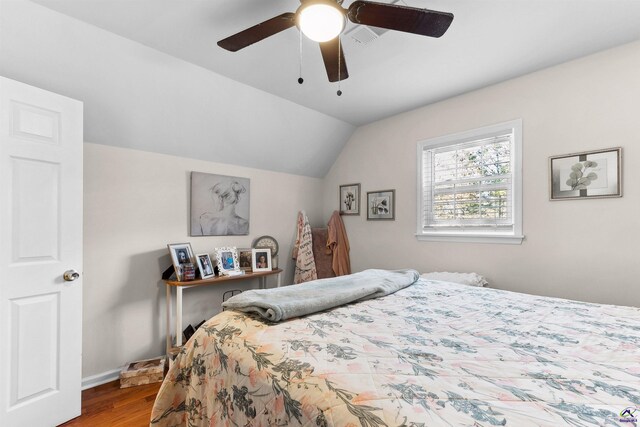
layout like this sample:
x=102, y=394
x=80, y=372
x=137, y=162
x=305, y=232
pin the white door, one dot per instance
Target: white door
x=40, y=239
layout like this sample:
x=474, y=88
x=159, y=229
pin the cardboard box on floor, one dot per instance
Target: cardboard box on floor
x=142, y=372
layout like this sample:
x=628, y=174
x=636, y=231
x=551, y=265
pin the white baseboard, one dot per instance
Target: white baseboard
x=99, y=379
x=102, y=378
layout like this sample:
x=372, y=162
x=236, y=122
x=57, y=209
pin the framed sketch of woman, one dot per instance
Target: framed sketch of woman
x=219, y=205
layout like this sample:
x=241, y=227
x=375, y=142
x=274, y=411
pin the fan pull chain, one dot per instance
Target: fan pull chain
x=300, y=79
x=339, y=92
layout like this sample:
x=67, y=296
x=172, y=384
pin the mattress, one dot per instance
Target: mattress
x=432, y=354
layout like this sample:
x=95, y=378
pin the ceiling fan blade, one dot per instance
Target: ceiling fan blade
x=424, y=22
x=330, y=52
x=258, y=32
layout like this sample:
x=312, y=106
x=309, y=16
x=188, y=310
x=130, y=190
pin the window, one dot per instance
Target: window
x=470, y=186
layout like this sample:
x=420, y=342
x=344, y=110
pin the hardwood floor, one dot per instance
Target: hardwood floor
x=110, y=406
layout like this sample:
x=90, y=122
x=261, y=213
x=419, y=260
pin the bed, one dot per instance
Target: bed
x=432, y=354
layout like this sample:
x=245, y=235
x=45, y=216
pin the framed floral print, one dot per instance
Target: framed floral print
x=349, y=199
x=381, y=204
x=586, y=175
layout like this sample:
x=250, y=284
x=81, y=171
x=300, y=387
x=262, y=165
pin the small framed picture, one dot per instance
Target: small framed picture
x=261, y=259
x=205, y=266
x=245, y=257
x=227, y=259
x=349, y=199
x=381, y=204
x=586, y=175
x=181, y=254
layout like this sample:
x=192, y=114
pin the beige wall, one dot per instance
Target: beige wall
x=586, y=250
x=135, y=203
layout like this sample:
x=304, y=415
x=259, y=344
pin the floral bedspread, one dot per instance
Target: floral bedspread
x=433, y=354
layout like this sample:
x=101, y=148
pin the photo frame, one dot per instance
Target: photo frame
x=227, y=259
x=245, y=255
x=381, y=205
x=586, y=175
x=349, y=199
x=261, y=259
x=205, y=266
x=181, y=253
x=219, y=205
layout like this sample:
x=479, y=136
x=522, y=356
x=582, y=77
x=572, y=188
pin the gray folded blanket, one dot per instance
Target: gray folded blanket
x=298, y=300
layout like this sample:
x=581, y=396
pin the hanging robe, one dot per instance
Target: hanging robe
x=338, y=242
x=303, y=251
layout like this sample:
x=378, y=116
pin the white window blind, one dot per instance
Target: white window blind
x=468, y=183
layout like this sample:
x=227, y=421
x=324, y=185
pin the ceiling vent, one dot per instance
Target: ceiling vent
x=363, y=34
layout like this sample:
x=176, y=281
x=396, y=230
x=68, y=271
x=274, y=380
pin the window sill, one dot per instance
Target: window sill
x=505, y=239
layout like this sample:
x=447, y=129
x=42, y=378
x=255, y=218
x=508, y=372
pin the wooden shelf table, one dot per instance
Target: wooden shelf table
x=219, y=280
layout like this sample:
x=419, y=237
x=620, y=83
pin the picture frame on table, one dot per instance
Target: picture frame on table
x=381, y=205
x=261, y=259
x=205, y=266
x=586, y=175
x=181, y=254
x=245, y=256
x=227, y=259
x=349, y=195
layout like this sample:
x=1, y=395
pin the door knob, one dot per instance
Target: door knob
x=71, y=275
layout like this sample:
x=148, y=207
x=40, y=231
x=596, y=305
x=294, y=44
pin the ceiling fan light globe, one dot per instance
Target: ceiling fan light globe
x=321, y=22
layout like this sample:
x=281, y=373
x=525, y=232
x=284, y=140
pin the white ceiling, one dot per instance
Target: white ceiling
x=489, y=41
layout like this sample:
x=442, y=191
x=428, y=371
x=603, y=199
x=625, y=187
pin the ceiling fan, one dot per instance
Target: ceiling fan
x=324, y=20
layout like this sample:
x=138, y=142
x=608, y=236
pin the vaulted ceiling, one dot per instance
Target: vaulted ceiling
x=152, y=77
x=489, y=41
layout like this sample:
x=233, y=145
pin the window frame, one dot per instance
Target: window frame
x=512, y=236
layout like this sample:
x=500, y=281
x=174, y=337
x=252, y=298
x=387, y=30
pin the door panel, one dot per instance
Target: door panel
x=34, y=363
x=35, y=189
x=40, y=238
x=34, y=123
